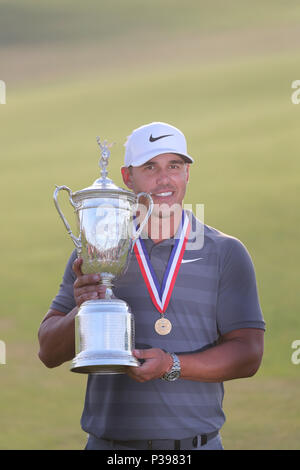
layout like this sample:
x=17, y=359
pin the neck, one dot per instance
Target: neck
x=163, y=228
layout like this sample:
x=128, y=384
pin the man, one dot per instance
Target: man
x=193, y=293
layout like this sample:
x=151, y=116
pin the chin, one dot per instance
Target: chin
x=165, y=211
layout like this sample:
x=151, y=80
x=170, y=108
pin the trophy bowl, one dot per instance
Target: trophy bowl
x=104, y=328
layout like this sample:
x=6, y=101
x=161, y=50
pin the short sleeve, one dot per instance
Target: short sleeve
x=238, y=303
x=64, y=300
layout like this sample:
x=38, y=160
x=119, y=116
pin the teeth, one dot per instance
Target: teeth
x=164, y=194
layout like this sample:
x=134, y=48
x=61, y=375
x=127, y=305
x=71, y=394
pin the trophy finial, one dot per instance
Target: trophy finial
x=105, y=154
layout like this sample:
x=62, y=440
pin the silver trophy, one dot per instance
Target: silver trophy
x=104, y=328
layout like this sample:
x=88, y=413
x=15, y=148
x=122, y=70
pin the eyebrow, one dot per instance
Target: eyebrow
x=180, y=162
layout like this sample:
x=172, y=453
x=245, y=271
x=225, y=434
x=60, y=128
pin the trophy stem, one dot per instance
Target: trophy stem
x=106, y=280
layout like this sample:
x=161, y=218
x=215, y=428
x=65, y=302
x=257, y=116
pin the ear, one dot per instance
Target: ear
x=187, y=173
x=126, y=175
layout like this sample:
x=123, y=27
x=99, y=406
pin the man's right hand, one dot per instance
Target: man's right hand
x=86, y=286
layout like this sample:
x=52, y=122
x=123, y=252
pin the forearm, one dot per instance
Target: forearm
x=57, y=339
x=229, y=360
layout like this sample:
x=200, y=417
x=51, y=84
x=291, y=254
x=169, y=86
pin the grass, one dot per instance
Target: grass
x=69, y=22
x=270, y=422
x=242, y=130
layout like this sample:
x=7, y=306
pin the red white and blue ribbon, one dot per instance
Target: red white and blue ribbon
x=160, y=296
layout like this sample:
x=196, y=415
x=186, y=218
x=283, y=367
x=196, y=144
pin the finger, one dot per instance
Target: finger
x=156, y=363
x=77, y=267
x=135, y=373
x=85, y=297
x=147, y=353
x=102, y=291
x=99, y=288
x=89, y=293
x=87, y=279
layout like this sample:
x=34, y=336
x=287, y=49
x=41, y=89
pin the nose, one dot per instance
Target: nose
x=162, y=177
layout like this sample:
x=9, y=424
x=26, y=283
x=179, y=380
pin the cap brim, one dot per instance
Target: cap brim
x=151, y=155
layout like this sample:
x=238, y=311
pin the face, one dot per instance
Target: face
x=165, y=177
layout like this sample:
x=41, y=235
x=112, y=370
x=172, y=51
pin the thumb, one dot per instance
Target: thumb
x=140, y=353
x=137, y=353
x=143, y=353
x=77, y=266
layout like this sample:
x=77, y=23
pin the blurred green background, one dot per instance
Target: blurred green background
x=221, y=71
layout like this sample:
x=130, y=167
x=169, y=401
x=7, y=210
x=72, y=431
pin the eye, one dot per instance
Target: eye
x=175, y=166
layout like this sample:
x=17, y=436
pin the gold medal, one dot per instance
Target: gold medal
x=163, y=326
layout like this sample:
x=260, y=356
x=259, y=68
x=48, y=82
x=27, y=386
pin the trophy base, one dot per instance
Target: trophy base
x=100, y=362
x=104, y=337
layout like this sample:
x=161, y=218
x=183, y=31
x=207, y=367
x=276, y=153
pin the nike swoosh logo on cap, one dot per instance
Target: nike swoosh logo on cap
x=190, y=260
x=153, y=139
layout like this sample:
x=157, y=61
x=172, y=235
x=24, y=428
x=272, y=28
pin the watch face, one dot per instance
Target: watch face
x=173, y=375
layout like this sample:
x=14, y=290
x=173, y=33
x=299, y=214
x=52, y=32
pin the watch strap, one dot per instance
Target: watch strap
x=174, y=372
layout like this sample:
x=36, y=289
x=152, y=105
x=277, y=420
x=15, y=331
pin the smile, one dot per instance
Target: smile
x=169, y=193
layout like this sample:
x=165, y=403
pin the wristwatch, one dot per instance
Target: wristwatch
x=174, y=372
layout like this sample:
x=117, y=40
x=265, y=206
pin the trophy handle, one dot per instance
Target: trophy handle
x=149, y=212
x=76, y=241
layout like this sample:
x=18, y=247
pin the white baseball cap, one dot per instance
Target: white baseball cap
x=153, y=139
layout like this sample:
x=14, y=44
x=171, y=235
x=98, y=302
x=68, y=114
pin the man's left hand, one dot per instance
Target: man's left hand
x=157, y=363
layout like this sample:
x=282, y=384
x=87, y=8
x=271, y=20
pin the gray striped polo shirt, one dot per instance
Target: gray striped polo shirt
x=215, y=292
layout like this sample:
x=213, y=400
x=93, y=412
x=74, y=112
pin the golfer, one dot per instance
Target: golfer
x=198, y=322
